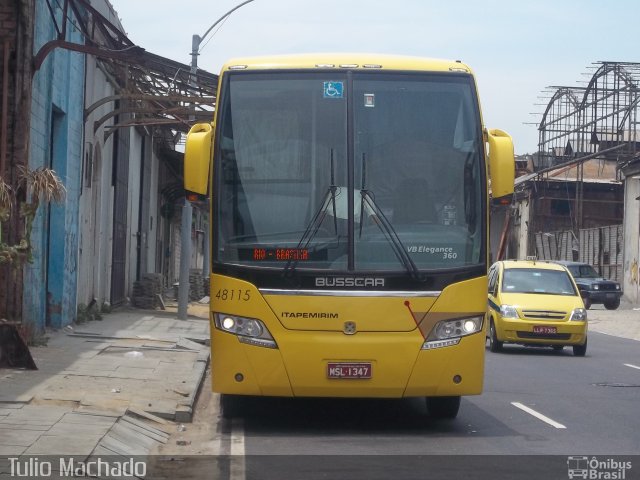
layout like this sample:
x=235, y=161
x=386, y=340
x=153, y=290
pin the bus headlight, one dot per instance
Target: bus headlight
x=449, y=332
x=248, y=330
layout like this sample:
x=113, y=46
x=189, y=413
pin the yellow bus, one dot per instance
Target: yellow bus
x=349, y=239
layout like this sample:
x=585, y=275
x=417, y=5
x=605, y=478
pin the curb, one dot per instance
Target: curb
x=156, y=313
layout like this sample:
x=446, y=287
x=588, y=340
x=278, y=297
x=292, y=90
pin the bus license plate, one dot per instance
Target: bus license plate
x=544, y=329
x=349, y=370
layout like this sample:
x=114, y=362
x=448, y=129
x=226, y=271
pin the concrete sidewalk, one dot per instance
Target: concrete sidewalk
x=623, y=322
x=106, y=387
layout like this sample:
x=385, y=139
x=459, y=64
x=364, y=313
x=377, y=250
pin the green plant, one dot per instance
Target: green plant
x=89, y=313
x=38, y=186
x=42, y=186
x=82, y=315
x=94, y=311
x=6, y=203
x=6, y=200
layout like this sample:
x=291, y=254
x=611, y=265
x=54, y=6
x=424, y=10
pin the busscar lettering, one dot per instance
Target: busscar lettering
x=349, y=282
x=309, y=315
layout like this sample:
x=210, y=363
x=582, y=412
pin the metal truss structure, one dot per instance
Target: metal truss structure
x=154, y=91
x=596, y=121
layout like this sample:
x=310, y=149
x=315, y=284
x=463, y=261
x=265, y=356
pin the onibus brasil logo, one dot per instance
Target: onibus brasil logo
x=596, y=469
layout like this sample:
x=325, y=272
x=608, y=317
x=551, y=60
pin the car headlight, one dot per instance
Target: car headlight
x=449, y=332
x=595, y=287
x=248, y=330
x=508, y=311
x=578, y=315
x=617, y=287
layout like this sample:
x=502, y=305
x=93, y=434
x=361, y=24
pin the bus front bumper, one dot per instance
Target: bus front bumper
x=300, y=365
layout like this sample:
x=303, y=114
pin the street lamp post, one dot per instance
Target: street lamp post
x=197, y=40
x=185, y=250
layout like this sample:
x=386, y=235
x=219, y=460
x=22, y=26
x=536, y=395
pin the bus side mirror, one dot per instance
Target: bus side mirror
x=502, y=165
x=197, y=158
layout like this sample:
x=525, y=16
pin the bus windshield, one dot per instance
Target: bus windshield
x=337, y=171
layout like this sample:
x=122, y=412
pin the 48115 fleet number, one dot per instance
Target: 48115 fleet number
x=232, y=294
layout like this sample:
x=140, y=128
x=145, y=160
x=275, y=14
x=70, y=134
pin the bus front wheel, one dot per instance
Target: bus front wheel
x=443, y=407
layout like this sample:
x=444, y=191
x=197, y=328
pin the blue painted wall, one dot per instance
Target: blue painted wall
x=56, y=141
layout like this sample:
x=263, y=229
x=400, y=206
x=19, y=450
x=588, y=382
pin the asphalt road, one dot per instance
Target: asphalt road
x=537, y=403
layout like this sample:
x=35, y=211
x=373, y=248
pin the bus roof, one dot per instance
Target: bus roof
x=345, y=61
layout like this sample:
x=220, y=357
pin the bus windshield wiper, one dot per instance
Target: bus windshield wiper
x=313, y=227
x=379, y=218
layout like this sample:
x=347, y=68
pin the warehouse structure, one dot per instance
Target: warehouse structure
x=581, y=200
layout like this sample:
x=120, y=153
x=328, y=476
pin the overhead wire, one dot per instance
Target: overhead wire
x=213, y=34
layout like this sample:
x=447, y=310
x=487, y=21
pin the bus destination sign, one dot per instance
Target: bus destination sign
x=281, y=254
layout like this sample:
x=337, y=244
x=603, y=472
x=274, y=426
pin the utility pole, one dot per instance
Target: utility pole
x=187, y=209
x=185, y=260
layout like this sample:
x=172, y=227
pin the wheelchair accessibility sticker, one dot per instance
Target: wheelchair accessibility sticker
x=333, y=89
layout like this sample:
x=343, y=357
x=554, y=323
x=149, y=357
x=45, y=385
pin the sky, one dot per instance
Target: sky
x=516, y=48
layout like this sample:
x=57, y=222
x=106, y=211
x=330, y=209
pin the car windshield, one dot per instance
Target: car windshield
x=533, y=280
x=583, y=271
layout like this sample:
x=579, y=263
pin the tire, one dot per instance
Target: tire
x=587, y=303
x=495, y=345
x=612, y=305
x=443, y=408
x=580, y=350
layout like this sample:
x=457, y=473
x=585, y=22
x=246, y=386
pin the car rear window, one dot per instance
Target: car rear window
x=583, y=271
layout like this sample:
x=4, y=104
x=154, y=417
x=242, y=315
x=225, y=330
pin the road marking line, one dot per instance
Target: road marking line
x=237, y=460
x=237, y=437
x=216, y=441
x=632, y=366
x=538, y=415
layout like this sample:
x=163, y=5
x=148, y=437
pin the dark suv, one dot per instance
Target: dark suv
x=593, y=287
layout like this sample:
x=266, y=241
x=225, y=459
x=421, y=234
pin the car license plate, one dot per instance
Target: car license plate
x=611, y=296
x=349, y=370
x=544, y=329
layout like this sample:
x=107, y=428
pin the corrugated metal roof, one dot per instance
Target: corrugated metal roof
x=594, y=171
